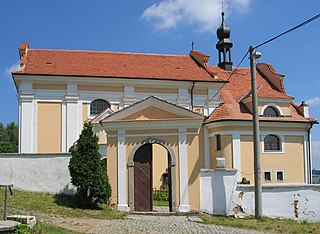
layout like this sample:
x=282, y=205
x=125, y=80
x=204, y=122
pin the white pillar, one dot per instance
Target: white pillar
x=122, y=175
x=129, y=96
x=184, y=99
x=26, y=121
x=183, y=169
x=236, y=154
x=207, y=160
x=72, y=118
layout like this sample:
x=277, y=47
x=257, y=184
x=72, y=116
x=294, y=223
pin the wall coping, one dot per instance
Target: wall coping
x=247, y=186
x=35, y=155
x=218, y=170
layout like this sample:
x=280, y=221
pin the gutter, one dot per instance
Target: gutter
x=193, y=82
x=309, y=154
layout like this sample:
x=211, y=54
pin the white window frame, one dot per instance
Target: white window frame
x=271, y=177
x=277, y=107
x=276, y=176
x=281, y=139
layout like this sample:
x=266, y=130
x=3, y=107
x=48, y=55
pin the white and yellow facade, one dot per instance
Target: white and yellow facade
x=179, y=107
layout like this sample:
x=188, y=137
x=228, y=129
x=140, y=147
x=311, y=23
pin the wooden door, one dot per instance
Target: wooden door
x=143, y=178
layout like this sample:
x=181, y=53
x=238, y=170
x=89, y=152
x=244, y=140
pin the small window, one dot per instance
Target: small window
x=271, y=111
x=98, y=105
x=218, y=142
x=272, y=143
x=279, y=175
x=267, y=176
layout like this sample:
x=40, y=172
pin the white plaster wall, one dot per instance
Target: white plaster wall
x=216, y=188
x=37, y=172
x=221, y=195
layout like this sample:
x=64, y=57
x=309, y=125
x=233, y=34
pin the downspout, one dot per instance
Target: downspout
x=309, y=154
x=193, y=82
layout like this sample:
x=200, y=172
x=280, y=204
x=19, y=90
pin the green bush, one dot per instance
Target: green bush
x=87, y=170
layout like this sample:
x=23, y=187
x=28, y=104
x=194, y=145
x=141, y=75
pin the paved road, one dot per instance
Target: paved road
x=162, y=224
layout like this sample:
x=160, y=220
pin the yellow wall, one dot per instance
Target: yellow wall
x=159, y=164
x=155, y=90
x=225, y=152
x=112, y=167
x=48, y=127
x=195, y=163
x=50, y=86
x=100, y=88
x=291, y=161
x=84, y=112
x=151, y=113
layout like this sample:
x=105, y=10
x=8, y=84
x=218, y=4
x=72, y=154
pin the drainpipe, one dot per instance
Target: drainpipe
x=193, y=82
x=309, y=154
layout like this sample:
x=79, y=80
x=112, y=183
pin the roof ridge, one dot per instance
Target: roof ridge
x=109, y=52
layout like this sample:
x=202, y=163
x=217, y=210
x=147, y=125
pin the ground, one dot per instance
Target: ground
x=138, y=224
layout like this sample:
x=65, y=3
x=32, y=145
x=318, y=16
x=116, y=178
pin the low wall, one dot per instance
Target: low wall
x=221, y=195
x=37, y=172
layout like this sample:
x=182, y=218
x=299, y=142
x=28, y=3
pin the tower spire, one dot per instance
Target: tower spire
x=224, y=45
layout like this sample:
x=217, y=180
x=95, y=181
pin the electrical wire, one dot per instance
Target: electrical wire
x=229, y=77
x=290, y=30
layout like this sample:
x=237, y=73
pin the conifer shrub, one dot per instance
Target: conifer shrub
x=87, y=170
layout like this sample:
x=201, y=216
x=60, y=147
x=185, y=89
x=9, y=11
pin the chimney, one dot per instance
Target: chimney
x=23, y=51
x=304, y=109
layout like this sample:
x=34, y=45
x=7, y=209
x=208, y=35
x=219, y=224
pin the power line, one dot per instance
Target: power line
x=290, y=30
x=227, y=78
x=266, y=42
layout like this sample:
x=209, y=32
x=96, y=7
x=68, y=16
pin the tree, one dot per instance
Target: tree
x=9, y=138
x=87, y=170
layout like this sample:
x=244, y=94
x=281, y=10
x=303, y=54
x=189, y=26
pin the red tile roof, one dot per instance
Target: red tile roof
x=238, y=88
x=114, y=64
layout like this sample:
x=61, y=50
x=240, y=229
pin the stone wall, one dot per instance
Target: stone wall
x=221, y=195
x=37, y=172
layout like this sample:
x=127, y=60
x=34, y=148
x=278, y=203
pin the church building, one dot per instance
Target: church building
x=161, y=118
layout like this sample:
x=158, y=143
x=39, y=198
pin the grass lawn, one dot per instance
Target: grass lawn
x=264, y=224
x=44, y=228
x=23, y=202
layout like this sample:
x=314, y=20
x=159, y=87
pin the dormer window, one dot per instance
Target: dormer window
x=98, y=105
x=271, y=111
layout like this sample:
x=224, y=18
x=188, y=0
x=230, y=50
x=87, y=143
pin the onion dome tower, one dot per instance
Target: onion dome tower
x=224, y=46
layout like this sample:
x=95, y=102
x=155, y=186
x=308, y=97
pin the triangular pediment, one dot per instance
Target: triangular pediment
x=151, y=109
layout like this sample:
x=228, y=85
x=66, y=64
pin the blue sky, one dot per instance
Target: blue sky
x=167, y=26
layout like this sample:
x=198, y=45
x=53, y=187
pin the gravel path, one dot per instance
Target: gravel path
x=142, y=224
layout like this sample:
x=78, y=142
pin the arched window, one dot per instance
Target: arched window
x=271, y=111
x=272, y=143
x=98, y=105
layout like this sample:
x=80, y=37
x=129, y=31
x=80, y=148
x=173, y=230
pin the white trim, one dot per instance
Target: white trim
x=274, y=124
x=153, y=134
x=153, y=124
x=206, y=148
x=236, y=153
x=306, y=159
x=183, y=170
x=262, y=133
x=122, y=175
x=64, y=127
x=35, y=126
x=277, y=107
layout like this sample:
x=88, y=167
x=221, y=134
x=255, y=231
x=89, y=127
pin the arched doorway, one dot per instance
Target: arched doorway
x=140, y=175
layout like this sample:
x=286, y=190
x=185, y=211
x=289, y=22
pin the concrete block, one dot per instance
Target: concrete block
x=24, y=219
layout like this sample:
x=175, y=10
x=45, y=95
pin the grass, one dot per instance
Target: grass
x=31, y=203
x=264, y=224
x=44, y=228
x=160, y=203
